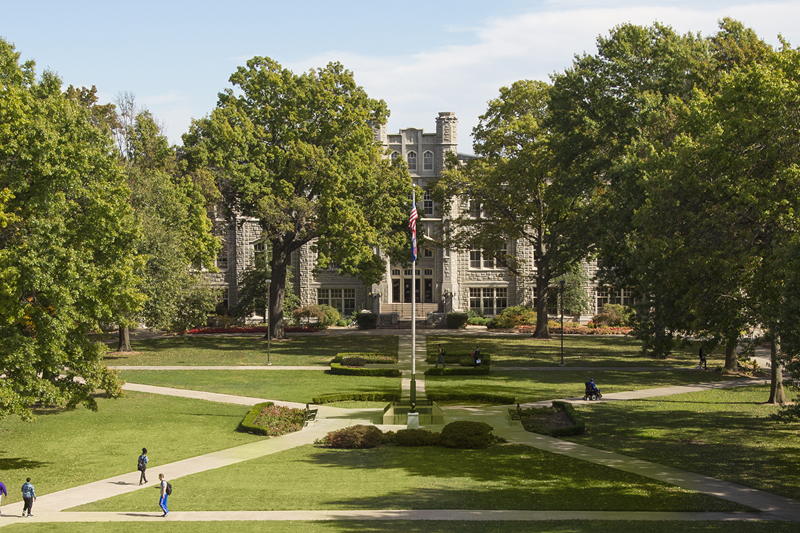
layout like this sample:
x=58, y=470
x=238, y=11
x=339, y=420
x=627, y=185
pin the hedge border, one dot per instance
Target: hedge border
x=455, y=359
x=496, y=399
x=578, y=427
x=482, y=370
x=357, y=397
x=366, y=355
x=340, y=370
x=248, y=425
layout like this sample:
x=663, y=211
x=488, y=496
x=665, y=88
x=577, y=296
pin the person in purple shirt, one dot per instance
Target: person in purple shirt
x=3, y=491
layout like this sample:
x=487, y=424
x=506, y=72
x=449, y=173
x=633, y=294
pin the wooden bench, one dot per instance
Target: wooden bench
x=310, y=415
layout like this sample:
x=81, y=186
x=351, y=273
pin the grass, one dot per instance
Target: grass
x=402, y=526
x=218, y=350
x=66, y=448
x=726, y=434
x=579, y=350
x=285, y=385
x=502, y=477
x=531, y=385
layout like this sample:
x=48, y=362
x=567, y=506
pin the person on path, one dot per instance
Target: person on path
x=28, y=496
x=162, y=501
x=476, y=356
x=440, y=358
x=3, y=491
x=703, y=364
x=142, y=465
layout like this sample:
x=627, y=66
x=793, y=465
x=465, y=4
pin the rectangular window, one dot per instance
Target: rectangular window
x=323, y=297
x=488, y=261
x=475, y=299
x=427, y=252
x=488, y=300
x=349, y=302
x=222, y=257
x=474, y=258
x=427, y=204
x=500, y=300
x=428, y=272
x=396, y=290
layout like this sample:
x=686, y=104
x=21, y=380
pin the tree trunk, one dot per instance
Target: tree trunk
x=776, y=393
x=731, y=358
x=542, y=331
x=277, y=290
x=124, y=340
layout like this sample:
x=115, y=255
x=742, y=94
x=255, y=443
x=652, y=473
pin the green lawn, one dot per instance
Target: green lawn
x=579, y=350
x=62, y=449
x=286, y=385
x=531, y=385
x=399, y=526
x=217, y=350
x=726, y=434
x=502, y=477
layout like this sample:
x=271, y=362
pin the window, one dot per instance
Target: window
x=488, y=300
x=394, y=155
x=602, y=298
x=474, y=258
x=427, y=161
x=225, y=297
x=412, y=161
x=427, y=204
x=427, y=252
x=259, y=247
x=428, y=272
x=222, y=257
x=480, y=259
x=343, y=300
x=395, y=272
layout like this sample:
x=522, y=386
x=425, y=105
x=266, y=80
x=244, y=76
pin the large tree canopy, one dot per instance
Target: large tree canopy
x=67, y=235
x=297, y=152
x=517, y=193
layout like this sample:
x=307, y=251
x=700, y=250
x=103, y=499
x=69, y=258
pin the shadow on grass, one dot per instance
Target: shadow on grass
x=18, y=463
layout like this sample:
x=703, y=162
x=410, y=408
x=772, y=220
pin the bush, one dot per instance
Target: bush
x=614, y=315
x=359, y=436
x=457, y=320
x=366, y=320
x=466, y=434
x=471, y=397
x=357, y=397
x=330, y=316
x=273, y=420
x=342, y=323
x=416, y=437
x=308, y=312
x=479, y=321
x=368, y=358
x=511, y=317
x=339, y=370
x=457, y=359
x=482, y=370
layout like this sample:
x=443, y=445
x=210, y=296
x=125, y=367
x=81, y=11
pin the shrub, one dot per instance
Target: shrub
x=368, y=358
x=578, y=427
x=342, y=323
x=359, y=436
x=339, y=370
x=466, y=434
x=479, y=321
x=511, y=317
x=308, y=312
x=457, y=359
x=457, y=320
x=273, y=420
x=482, y=370
x=614, y=315
x=471, y=397
x=330, y=315
x=416, y=437
x=357, y=397
x=366, y=320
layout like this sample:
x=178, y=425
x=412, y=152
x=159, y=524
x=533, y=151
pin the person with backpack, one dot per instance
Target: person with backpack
x=28, y=496
x=3, y=491
x=142, y=466
x=166, y=490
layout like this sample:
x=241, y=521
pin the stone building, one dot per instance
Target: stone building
x=446, y=279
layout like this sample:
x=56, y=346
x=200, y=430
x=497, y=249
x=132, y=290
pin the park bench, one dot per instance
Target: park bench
x=310, y=415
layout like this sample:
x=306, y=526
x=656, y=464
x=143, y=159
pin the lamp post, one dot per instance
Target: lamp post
x=266, y=317
x=562, y=282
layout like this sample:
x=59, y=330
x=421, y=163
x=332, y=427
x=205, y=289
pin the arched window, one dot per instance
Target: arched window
x=394, y=155
x=427, y=161
x=412, y=161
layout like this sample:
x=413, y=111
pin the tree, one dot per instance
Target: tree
x=254, y=290
x=297, y=152
x=67, y=236
x=516, y=192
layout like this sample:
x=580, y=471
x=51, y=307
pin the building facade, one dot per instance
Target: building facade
x=445, y=280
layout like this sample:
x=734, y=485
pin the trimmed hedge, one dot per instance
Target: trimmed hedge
x=578, y=427
x=482, y=370
x=357, y=397
x=466, y=434
x=457, y=320
x=359, y=436
x=366, y=320
x=415, y=437
x=477, y=397
x=367, y=358
x=340, y=370
x=282, y=421
x=457, y=359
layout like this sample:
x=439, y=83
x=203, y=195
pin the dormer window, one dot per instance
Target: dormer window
x=412, y=161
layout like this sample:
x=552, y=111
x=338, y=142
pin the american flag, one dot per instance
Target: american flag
x=412, y=223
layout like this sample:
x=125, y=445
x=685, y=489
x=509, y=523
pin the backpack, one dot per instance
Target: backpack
x=169, y=489
x=141, y=463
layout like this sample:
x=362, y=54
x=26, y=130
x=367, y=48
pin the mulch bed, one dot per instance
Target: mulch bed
x=544, y=419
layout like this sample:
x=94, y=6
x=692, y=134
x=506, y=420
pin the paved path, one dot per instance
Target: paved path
x=230, y=367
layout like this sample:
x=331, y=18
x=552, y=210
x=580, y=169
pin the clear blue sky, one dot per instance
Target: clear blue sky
x=422, y=57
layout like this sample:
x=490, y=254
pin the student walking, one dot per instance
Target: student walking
x=440, y=357
x=3, y=491
x=162, y=502
x=143, y=466
x=28, y=496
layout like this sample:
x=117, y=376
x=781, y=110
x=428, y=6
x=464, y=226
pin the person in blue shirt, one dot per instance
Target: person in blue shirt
x=3, y=491
x=28, y=496
x=592, y=386
x=143, y=466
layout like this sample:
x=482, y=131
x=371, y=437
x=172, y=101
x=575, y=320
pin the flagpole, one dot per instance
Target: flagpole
x=414, y=308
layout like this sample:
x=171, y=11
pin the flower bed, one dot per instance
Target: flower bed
x=273, y=420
